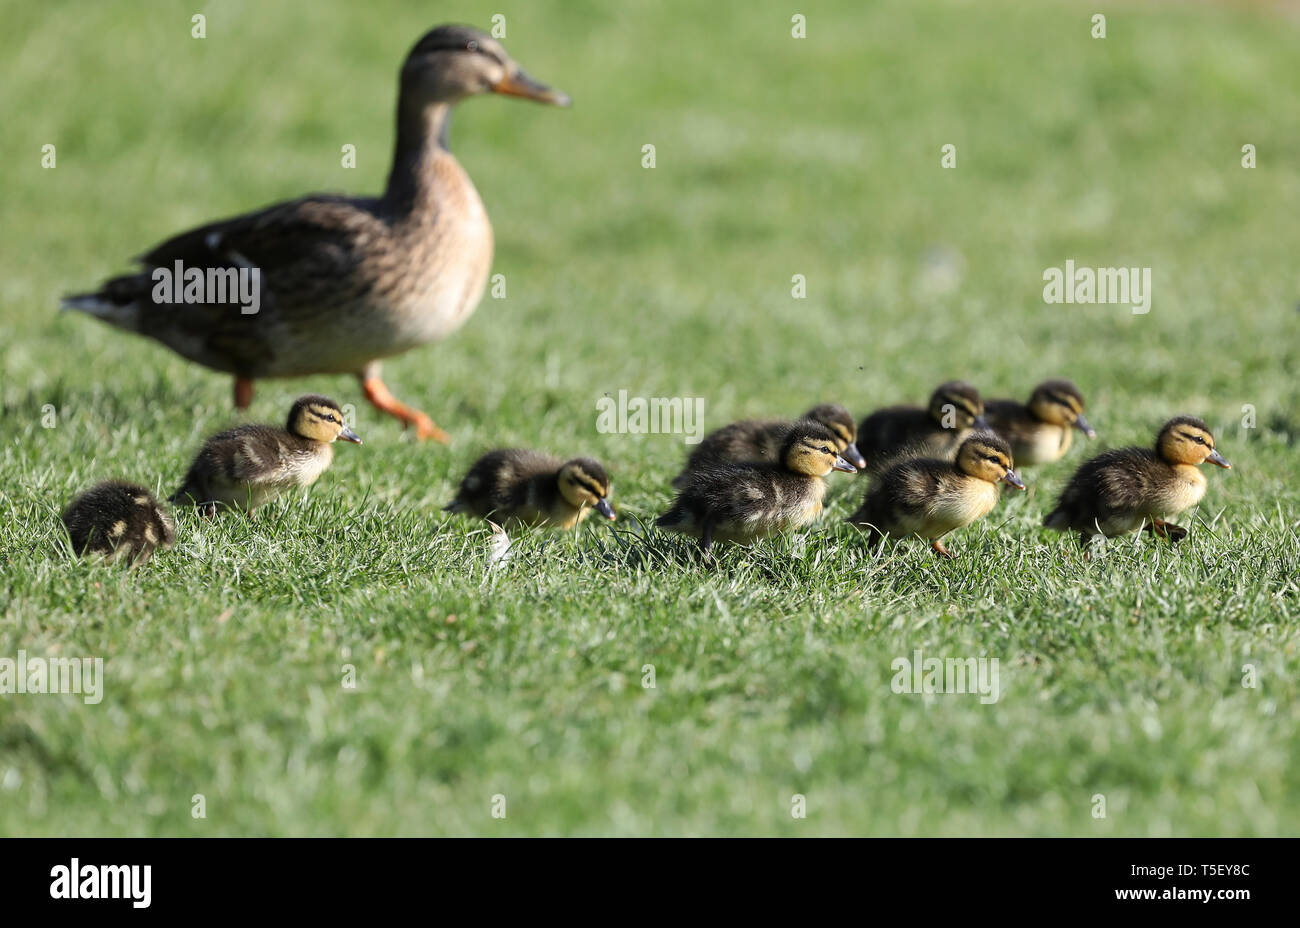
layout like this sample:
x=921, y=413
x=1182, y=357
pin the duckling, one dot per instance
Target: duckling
x=930, y=497
x=762, y=439
x=526, y=487
x=934, y=432
x=743, y=501
x=338, y=283
x=1124, y=489
x=120, y=521
x=1041, y=430
x=250, y=465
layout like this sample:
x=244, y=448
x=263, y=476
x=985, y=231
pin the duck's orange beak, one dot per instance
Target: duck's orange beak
x=519, y=84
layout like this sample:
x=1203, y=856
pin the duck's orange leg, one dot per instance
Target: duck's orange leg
x=384, y=401
x=243, y=392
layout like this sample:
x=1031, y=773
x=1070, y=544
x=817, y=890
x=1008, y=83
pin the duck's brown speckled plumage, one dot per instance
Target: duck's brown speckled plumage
x=1125, y=489
x=345, y=281
x=120, y=521
x=520, y=486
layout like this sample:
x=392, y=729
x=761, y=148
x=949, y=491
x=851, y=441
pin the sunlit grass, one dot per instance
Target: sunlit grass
x=225, y=656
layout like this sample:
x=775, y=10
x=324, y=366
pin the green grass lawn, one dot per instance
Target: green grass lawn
x=775, y=156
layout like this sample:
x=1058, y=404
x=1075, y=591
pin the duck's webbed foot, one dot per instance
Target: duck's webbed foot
x=937, y=545
x=384, y=401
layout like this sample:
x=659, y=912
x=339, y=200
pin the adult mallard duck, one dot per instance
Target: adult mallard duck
x=340, y=282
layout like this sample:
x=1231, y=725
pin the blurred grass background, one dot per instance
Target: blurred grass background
x=775, y=157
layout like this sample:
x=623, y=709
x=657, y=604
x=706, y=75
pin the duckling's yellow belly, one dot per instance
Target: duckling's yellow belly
x=973, y=499
x=562, y=516
x=1183, y=493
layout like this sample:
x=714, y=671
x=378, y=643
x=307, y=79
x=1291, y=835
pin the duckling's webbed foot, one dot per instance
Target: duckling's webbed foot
x=384, y=401
x=937, y=545
x=1163, y=529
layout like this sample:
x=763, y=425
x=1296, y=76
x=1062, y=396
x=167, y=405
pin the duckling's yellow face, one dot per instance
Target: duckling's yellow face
x=319, y=419
x=837, y=420
x=1059, y=402
x=584, y=484
x=957, y=405
x=988, y=458
x=454, y=62
x=1187, y=441
x=815, y=455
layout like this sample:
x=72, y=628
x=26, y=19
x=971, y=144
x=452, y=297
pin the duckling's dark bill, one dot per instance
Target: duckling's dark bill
x=606, y=510
x=520, y=84
x=854, y=457
x=1215, y=458
x=843, y=465
x=348, y=435
x=1014, y=479
x=1082, y=425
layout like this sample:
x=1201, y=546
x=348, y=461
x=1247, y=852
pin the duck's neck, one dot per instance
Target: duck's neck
x=421, y=138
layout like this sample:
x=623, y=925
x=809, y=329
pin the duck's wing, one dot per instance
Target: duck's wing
x=307, y=254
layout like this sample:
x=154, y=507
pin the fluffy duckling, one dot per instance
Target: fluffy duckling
x=121, y=521
x=762, y=439
x=930, y=497
x=1041, y=430
x=936, y=431
x=743, y=501
x=526, y=487
x=1121, y=490
x=250, y=465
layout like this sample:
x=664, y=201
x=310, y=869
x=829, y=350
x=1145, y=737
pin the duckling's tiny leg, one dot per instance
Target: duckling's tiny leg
x=939, y=548
x=1163, y=529
x=243, y=392
x=384, y=401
